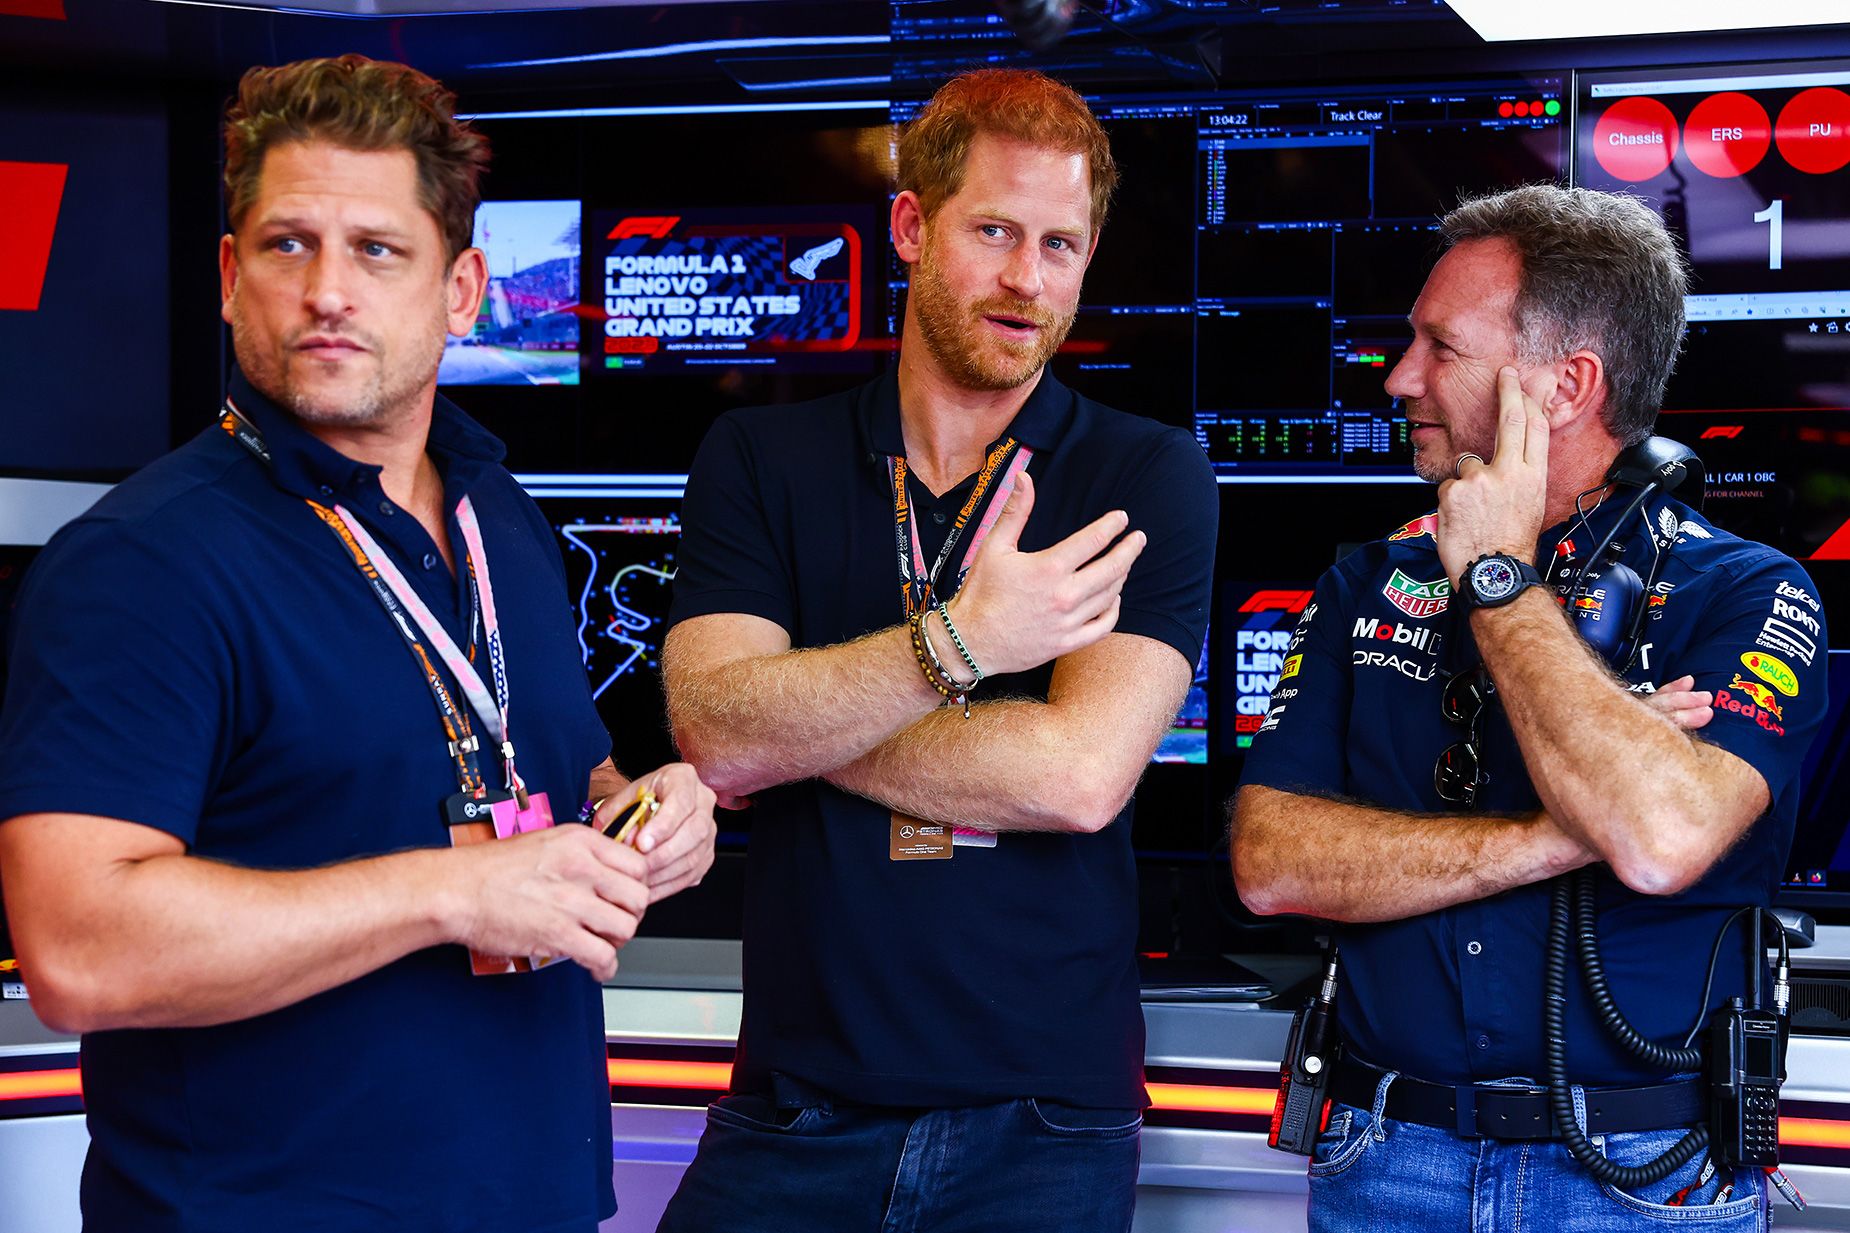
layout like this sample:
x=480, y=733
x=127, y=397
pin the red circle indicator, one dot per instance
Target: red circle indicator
x=1727, y=135
x=1506, y=109
x=1635, y=139
x=1814, y=130
x=1522, y=109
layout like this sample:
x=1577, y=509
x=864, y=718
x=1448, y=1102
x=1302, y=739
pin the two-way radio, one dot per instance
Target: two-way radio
x=1312, y=1048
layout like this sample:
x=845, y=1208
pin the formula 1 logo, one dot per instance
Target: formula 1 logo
x=1279, y=601
x=650, y=226
x=30, y=194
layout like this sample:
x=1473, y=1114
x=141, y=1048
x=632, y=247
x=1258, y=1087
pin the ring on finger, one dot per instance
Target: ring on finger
x=1458, y=468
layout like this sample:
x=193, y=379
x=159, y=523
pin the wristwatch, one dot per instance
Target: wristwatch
x=1494, y=580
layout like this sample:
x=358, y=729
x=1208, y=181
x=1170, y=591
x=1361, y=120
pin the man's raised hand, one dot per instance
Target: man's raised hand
x=1018, y=610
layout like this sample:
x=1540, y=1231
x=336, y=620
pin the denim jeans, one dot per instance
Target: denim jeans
x=1371, y=1174
x=1025, y=1166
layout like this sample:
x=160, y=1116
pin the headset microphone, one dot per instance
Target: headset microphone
x=1658, y=463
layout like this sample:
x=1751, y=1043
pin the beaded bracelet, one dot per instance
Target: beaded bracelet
x=937, y=664
x=944, y=614
x=934, y=675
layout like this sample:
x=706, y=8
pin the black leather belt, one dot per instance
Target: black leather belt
x=1475, y=1111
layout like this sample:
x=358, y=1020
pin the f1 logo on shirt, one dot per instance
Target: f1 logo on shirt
x=30, y=194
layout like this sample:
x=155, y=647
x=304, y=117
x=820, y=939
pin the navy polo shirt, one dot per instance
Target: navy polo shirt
x=1456, y=995
x=199, y=655
x=1006, y=971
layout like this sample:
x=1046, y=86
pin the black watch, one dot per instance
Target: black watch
x=1494, y=580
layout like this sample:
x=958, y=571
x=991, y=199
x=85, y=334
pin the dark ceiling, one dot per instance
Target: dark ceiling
x=771, y=50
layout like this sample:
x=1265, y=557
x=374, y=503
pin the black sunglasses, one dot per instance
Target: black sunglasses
x=1459, y=773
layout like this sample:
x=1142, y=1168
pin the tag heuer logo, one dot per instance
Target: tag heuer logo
x=1417, y=599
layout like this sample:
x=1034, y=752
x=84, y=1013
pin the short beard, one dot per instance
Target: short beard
x=954, y=333
x=378, y=400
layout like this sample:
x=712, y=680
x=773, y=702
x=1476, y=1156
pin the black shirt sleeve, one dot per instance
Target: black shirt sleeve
x=1173, y=500
x=729, y=560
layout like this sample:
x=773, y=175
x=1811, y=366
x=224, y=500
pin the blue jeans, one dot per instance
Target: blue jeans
x=1371, y=1174
x=1025, y=1166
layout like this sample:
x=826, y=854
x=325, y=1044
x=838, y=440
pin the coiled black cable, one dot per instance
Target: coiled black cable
x=1593, y=969
x=1554, y=1041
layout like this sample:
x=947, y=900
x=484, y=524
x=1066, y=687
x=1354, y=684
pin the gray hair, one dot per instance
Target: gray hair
x=1599, y=273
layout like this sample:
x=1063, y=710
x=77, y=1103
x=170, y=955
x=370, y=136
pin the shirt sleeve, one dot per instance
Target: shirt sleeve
x=120, y=685
x=1760, y=647
x=729, y=561
x=1174, y=501
x=1301, y=745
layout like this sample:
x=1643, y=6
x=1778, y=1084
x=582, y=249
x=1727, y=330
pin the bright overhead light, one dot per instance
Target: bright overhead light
x=1500, y=21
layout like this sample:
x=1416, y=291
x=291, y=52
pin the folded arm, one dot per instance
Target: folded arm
x=1312, y=855
x=1066, y=764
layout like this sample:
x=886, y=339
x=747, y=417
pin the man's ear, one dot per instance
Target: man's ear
x=1580, y=389
x=227, y=274
x=463, y=291
x=907, y=222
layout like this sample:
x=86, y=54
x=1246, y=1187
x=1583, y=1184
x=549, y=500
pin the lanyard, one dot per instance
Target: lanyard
x=399, y=599
x=1008, y=459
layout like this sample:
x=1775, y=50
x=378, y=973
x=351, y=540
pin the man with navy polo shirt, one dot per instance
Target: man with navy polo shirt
x=271, y=701
x=1446, y=741
x=941, y=1025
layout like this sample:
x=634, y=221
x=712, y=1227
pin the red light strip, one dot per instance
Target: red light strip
x=40, y=1084
x=638, y=1072
x=1199, y=1098
x=717, y=1077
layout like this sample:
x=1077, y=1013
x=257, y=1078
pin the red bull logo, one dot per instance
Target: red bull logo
x=1753, y=702
x=1425, y=525
x=1588, y=603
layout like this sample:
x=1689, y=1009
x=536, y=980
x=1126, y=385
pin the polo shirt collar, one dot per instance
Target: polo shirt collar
x=303, y=464
x=1039, y=425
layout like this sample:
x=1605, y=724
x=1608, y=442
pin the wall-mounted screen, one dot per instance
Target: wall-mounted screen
x=1746, y=165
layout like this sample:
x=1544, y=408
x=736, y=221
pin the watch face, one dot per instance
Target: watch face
x=1493, y=580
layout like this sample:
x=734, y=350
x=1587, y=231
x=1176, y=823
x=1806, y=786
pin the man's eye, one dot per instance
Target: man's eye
x=372, y=248
x=1057, y=242
x=992, y=229
x=287, y=245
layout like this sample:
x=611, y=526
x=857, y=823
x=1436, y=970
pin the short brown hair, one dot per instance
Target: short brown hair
x=1600, y=272
x=359, y=104
x=1018, y=103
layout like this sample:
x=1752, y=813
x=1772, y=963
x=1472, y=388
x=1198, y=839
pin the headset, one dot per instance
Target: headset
x=1606, y=599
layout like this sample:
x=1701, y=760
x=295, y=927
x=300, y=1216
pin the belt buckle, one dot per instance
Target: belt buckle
x=1464, y=1110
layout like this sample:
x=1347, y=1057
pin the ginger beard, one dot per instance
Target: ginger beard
x=362, y=389
x=969, y=351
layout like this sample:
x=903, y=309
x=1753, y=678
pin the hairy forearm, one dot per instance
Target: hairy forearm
x=755, y=722
x=1014, y=765
x=1619, y=777
x=1356, y=863
x=247, y=941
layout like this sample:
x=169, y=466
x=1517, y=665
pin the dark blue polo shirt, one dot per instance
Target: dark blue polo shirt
x=199, y=655
x=1006, y=971
x=1456, y=995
